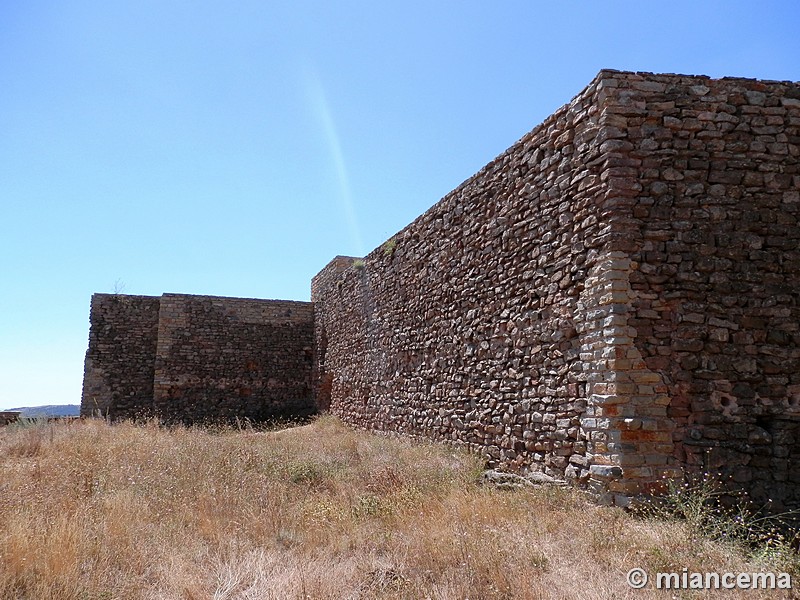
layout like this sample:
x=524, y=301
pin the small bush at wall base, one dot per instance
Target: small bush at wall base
x=699, y=502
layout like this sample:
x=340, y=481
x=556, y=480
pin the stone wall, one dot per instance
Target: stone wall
x=223, y=358
x=119, y=365
x=198, y=358
x=711, y=178
x=614, y=300
x=470, y=324
x=327, y=279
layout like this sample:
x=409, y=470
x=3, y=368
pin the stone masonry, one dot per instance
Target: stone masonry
x=223, y=358
x=118, y=370
x=198, y=358
x=612, y=301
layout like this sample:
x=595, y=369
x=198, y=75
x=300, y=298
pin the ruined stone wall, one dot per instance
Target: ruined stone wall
x=713, y=195
x=223, y=358
x=465, y=326
x=196, y=358
x=118, y=369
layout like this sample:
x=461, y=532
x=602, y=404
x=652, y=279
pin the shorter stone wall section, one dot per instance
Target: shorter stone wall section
x=228, y=358
x=195, y=359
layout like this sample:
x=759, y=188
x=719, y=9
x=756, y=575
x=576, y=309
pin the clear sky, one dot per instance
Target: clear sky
x=234, y=148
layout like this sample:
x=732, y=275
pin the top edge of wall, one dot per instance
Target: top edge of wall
x=649, y=75
x=233, y=298
x=112, y=295
x=202, y=297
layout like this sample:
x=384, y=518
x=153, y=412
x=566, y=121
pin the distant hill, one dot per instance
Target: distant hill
x=51, y=410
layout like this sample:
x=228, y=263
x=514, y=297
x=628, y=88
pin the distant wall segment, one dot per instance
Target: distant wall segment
x=223, y=358
x=198, y=358
x=120, y=360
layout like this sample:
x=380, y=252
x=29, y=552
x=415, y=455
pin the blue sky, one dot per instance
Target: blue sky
x=234, y=148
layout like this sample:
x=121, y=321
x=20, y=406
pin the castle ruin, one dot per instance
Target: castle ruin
x=614, y=300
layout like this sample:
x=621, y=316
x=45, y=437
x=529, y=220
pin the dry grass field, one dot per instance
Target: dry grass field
x=97, y=512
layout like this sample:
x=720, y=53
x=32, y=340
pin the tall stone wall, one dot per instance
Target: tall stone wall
x=119, y=364
x=472, y=324
x=614, y=300
x=223, y=358
x=712, y=192
x=198, y=358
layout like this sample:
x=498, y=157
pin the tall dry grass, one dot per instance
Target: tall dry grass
x=92, y=511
